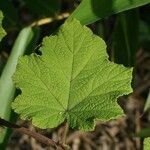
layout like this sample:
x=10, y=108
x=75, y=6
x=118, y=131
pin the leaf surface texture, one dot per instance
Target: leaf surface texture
x=72, y=80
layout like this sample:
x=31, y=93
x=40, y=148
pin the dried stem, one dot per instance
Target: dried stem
x=50, y=19
x=37, y=136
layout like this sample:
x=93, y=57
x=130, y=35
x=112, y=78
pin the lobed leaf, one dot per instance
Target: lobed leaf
x=72, y=81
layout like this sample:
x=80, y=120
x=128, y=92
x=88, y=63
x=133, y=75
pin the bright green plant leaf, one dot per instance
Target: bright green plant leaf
x=90, y=11
x=72, y=81
x=146, y=143
x=2, y=31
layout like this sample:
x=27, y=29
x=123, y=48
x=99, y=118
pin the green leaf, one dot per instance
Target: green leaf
x=146, y=143
x=98, y=9
x=43, y=8
x=72, y=81
x=2, y=31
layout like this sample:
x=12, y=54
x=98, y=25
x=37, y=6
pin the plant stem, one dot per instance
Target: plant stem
x=37, y=136
x=65, y=132
x=50, y=19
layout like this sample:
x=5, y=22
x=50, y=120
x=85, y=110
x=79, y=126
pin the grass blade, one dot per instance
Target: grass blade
x=7, y=89
x=90, y=11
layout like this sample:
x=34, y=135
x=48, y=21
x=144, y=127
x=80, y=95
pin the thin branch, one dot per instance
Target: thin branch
x=37, y=136
x=65, y=132
x=50, y=19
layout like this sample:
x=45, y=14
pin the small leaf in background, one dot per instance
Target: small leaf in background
x=72, y=81
x=43, y=8
x=146, y=143
x=126, y=37
x=2, y=31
